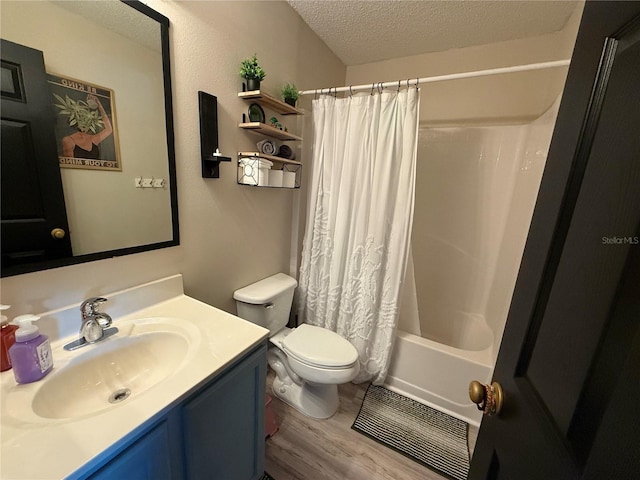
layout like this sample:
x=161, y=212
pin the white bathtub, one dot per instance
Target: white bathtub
x=438, y=375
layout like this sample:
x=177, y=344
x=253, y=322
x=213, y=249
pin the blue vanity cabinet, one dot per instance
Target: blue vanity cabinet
x=215, y=432
x=224, y=425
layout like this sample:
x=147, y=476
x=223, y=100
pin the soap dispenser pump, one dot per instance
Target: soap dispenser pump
x=30, y=356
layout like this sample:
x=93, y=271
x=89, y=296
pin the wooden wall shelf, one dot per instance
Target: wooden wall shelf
x=269, y=131
x=272, y=158
x=268, y=101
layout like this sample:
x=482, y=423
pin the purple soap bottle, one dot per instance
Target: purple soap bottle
x=31, y=357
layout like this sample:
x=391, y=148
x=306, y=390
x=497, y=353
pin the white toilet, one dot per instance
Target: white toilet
x=309, y=361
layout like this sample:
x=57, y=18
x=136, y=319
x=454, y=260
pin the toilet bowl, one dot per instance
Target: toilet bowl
x=310, y=362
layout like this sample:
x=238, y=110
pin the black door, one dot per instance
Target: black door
x=569, y=362
x=34, y=219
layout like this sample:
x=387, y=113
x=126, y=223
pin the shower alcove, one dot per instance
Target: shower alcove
x=487, y=114
x=476, y=187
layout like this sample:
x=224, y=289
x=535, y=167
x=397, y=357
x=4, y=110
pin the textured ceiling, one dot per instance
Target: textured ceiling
x=369, y=31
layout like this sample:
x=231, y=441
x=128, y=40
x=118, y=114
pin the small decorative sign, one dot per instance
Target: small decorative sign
x=86, y=131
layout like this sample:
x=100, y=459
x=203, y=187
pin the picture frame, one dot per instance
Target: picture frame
x=86, y=128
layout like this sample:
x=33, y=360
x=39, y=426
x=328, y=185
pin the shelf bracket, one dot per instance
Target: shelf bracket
x=209, y=136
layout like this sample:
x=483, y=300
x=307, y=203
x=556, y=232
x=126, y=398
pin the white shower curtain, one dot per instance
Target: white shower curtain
x=359, y=220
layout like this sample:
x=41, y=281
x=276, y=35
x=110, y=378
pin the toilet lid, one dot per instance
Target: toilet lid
x=319, y=347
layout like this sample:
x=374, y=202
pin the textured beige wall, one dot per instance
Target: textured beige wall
x=508, y=98
x=231, y=235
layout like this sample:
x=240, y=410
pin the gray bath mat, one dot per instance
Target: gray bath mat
x=430, y=437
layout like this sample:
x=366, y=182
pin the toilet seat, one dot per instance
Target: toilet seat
x=320, y=348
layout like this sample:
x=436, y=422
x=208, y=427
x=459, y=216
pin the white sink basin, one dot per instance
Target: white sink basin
x=115, y=371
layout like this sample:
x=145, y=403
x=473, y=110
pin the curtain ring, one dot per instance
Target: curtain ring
x=315, y=94
x=350, y=91
x=407, y=83
x=398, y=85
x=373, y=85
x=417, y=82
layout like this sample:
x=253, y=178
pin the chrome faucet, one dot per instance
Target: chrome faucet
x=95, y=324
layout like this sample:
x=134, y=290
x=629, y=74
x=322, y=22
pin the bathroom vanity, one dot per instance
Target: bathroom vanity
x=195, y=406
x=214, y=432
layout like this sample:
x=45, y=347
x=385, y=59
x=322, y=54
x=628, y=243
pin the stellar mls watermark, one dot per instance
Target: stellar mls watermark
x=620, y=240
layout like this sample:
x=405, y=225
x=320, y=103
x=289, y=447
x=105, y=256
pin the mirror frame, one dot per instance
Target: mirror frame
x=166, y=72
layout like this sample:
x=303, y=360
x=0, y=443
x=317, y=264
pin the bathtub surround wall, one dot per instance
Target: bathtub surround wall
x=525, y=183
x=467, y=256
x=230, y=234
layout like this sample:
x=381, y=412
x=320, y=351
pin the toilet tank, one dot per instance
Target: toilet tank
x=267, y=302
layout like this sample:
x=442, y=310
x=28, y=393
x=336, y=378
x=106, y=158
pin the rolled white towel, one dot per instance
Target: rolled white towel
x=268, y=147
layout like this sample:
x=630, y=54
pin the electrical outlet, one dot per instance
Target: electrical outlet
x=147, y=183
x=158, y=182
x=138, y=182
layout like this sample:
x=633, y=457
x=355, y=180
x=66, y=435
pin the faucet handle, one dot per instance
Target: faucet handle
x=91, y=331
x=90, y=306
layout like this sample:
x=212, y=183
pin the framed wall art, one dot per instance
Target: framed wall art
x=86, y=131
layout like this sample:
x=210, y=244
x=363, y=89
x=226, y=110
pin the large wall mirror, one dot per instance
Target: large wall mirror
x=88, y=165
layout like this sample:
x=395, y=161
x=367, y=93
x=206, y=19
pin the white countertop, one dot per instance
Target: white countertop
x=34, y=448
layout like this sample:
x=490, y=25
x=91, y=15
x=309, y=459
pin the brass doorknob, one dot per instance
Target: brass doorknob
x=488, y=398
x=58, y=233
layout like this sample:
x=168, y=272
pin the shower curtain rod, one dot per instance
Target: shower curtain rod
x=439, y=78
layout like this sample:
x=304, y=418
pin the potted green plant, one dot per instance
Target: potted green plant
x=252, y=73
x=290, y=94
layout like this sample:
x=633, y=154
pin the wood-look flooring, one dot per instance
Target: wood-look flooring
x=309, y=449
